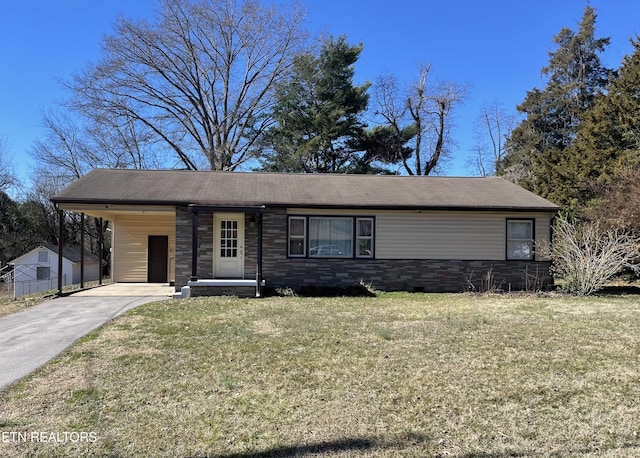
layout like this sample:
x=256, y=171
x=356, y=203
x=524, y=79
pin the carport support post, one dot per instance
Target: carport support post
x=81, y=250
x=100, y=250
x=60, y=244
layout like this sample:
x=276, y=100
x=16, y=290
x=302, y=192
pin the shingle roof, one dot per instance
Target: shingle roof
x=176, y=187
x=72, y=253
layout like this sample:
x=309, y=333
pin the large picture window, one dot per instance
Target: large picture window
x=520, y=239
x=330, y=237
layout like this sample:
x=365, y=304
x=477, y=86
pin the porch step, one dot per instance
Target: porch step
x=221, y=287
x=224, y=282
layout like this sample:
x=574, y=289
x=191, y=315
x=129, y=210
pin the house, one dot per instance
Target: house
x=232, y=232
x=37, y=270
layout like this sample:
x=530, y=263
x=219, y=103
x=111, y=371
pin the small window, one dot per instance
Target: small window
x=43, y=273
x=43, y=256
x=330, y=237
x=520, y=239
x=364, y=237
x=297, y=236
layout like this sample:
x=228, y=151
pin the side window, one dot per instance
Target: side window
x=43, y=256
x=520, y=239
x=297, y=236
x=364, y=237
x=43, y=273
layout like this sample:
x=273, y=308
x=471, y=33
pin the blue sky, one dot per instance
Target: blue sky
x=496, y=47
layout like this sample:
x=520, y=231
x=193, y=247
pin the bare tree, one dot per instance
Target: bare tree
x=7, y=174
x=423, y=108
x=493, y=126
x=199, y=79
x=74, y=146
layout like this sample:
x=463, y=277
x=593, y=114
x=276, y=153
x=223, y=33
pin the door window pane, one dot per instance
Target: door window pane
x=228, y=238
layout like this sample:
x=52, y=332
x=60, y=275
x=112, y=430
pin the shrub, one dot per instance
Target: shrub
x=586, y=256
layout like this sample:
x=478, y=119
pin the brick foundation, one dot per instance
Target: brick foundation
x=412, y=274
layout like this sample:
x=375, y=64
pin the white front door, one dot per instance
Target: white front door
x=228, y=251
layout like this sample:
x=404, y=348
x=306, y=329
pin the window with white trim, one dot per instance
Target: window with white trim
x=43, y=256
x=520, y=239
x=364, y=237
x=330, y=237
x=297, y=236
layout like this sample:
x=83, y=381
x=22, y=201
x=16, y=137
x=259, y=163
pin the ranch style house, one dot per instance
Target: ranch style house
x=235, y=233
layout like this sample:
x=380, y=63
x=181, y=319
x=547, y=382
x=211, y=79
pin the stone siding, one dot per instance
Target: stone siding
x=412, y=274
x=250, y=247
x=429, y=275
x=205, y=246
x=183, y=247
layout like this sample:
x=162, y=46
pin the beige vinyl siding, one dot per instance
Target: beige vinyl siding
x=130, y=241
x=462, y=235
x=543, y=235
x=440, y=236
x=450, y=235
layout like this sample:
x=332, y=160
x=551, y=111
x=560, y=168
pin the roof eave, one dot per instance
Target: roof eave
x=253, y=206
x=511, y=208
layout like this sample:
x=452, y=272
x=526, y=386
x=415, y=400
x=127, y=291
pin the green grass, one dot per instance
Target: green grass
x=398, y=375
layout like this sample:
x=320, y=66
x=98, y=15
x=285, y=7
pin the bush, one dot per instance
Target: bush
x=586, y=256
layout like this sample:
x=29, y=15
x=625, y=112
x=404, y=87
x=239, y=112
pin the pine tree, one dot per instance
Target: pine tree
x=537, y=147
x=608, y=142
x=318, y=113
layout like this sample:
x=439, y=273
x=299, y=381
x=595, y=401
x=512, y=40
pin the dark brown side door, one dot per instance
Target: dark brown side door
x=158, y=257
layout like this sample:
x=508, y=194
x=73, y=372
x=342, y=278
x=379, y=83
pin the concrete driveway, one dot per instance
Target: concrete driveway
x=30, y=338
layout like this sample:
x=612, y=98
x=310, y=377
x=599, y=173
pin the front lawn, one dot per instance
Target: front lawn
x=397, y=375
